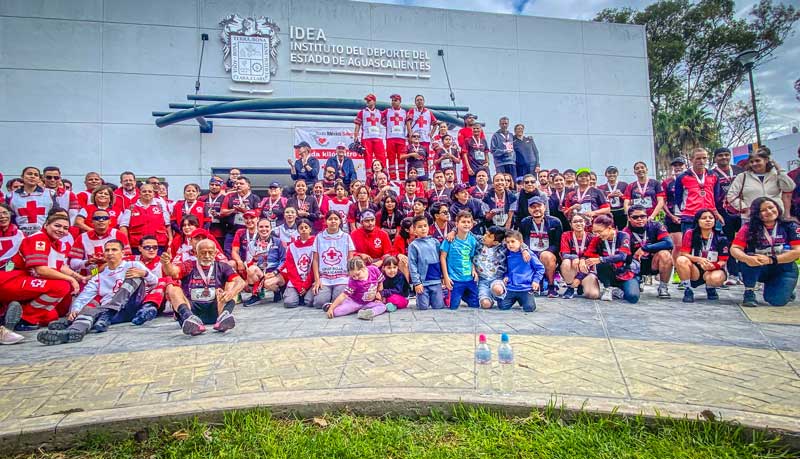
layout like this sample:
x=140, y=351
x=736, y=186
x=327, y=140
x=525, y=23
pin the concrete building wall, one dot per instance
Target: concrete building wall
x=79, y=79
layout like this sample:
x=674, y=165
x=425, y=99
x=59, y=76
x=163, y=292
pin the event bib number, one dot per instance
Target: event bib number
x=646, y=202
x=203, y=294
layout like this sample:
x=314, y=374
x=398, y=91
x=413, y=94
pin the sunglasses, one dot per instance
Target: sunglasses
x=638, y=217
x=148, y=247
x=52, y=177
x=529, y=182
x=101, y=218
x=414, y=136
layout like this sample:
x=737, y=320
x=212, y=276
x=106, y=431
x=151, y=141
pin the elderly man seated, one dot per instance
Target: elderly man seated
x=207, y=292
x=115, y=295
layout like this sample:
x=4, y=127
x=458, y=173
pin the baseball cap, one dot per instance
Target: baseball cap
x=583, y=170
x=370, y=96
x=457, y=189
x=678, y=160
x=274, y=185
x=303, y=144
x=396, y=96
x=251, y=214
x=341, y=145
x=536, y=200
x=199, y=232
x=367, y=215
x=216, y=180
x=611, y=169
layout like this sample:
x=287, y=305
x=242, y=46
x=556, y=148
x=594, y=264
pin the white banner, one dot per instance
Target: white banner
x=323, y=141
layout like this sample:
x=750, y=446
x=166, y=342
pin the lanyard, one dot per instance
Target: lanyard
x=213, y=202
x=439, y=194
x=707, y=246
x=205, y=277
x=612, y=248
x=771, y=237
x=580, y=196
x=319, y=201
x=441, y=234
x=641, y=240
x=731, y=175
x=579, y=248
x=561, y=197
x=700, y=181
x=390, y=220
x=612, y=190
x=408, y=202
x=642, y=189
x=539, y=229
x=483, y=191
x=187, y=207
x=272, y=205
x=500, y=201
x=249, y=240
x=477, y=141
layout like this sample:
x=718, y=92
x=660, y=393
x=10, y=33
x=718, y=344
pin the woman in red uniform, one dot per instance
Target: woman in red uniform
x=190, y=205
x=146, y=216
x=103, y=198
x=37, y=281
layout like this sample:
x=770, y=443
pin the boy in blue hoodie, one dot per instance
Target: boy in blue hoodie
x=522, y=278
x=424, y=266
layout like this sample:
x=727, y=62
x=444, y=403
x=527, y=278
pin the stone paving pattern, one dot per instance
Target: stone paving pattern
x=705, y=354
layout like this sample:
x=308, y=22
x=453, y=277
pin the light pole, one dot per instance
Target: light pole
x=747, y=59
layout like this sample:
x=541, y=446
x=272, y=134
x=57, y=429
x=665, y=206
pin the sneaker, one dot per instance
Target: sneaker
x=663, y=291
x=688, y=296
x=13, y=315
x=607, y=295
x=648, y=280
x=749, y=299
x=252, y=300
x=725, y=286
x=617, y=293
x=225, y=322
x=675, y=278
x=390, y=307
x=326, y=306
x=9, y=337
x=143, y=315
x=568, y=293
x=711, y=294
x=52, y=337
x=579, y=291
x=552, y=292
x=193, y=326
x=101, y=324
x=683, y=285
x=59, y=324
x=366, y=314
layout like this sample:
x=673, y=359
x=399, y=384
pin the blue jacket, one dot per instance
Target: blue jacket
x=348, y=174
x=311, y=176
x=520, y=274
x=272, y=260
x=423, y=261
x=501, y=156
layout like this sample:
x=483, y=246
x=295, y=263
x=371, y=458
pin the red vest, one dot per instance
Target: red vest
x=147, y=221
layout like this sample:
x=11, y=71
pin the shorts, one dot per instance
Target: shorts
x=646, y=266
x=207, y=312
x=672, y=227
x=700, y=281
x=485, y=289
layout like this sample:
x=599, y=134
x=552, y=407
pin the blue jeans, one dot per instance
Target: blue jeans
x=468, y=291
x=432, y=297
x=485, y=289
x=779, y=281
x=525, y=298
x=630, y=288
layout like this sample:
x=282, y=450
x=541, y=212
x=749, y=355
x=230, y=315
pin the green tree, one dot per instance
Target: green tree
x=692, y=48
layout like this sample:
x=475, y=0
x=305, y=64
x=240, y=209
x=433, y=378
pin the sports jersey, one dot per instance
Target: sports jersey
x=39, y=250
x=499, y=206
x=590, y=200
x=543, y=236
x=648, y=237
x=439, y=233
x=242, y=240
x=365, y=291
x=771, y=242
x=644, y=195
x=724, y=180
x=573, y=247
x=213, y=207
x=233, y=200
x=695, y=192
x=10, y=240
x=202, y=287
x=616, y=252
x=307, y=204
x=107, y=283
x=272, y=209
x=435, y=195
x=449, y=162
x=405, y=204
x=333, y=251
x=716, y=250
x=420, y=164
x=269, y=254
x=395, y=123
x=479, y=192
x=477, y=154
x=370, y=122
x=356, y=210
x=30, y=209
x=389, y=222
x=670, y=200
x=421, y=122
x=616, y=203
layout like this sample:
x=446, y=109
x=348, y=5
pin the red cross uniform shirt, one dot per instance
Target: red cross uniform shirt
x=333, y=251
x=114, y=213
x=371, y=122
x=181, y=209
x=395, y=123
x=10, y=240
x=30, y=209
x=645, y=196
x=421, y=122
x=67, y=200
x=102, y=287
x=772, y=241
x=716, y=250
x=89, y=245
x=39, y=250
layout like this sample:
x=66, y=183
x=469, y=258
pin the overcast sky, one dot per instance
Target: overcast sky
x=774, y=80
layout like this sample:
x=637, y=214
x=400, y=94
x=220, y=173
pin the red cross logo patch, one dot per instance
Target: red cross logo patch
x=332, y=257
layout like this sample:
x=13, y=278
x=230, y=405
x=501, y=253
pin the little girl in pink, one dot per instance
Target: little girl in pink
x=362, y=294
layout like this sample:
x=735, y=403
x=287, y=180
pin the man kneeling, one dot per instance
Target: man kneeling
x=211, y=286
x=115, y=295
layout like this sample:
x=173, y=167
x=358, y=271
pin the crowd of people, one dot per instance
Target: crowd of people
x=428, y=222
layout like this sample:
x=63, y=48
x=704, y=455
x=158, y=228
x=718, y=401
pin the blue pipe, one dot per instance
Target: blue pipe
x=382, y=105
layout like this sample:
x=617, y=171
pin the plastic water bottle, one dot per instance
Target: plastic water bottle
x=505, y=355
x=483, y=366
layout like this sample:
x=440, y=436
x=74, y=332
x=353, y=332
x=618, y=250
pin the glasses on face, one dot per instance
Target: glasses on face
x=52, y=177
x=101, y=218
x=148, y=247
x=529, y=182
x=638, y=217
x=415, y=137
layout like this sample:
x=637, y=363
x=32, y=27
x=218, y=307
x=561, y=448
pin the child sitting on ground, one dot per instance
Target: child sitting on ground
x=361, y=294
x=522, y=278
x=395, y=289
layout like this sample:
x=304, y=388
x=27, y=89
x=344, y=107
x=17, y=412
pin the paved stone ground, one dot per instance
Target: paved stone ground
x=712, y=354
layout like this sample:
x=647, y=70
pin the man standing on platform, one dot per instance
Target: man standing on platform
x=345, y=169
x=726, y=172
x=305, y=168
x=464, y=134
x=503, y=149
x=696, y=189
x=394, y=118
x=367, y=130
x=234, y=207
x=420, y=120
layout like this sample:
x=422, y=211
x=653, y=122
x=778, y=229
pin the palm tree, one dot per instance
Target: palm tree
x=680, y=131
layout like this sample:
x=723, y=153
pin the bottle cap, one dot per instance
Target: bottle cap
x=482, y=338
x=504, y=338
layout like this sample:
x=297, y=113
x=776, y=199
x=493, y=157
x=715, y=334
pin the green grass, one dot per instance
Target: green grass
x=470, y=433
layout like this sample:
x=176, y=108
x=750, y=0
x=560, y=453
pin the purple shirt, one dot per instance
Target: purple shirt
x=364, y=291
